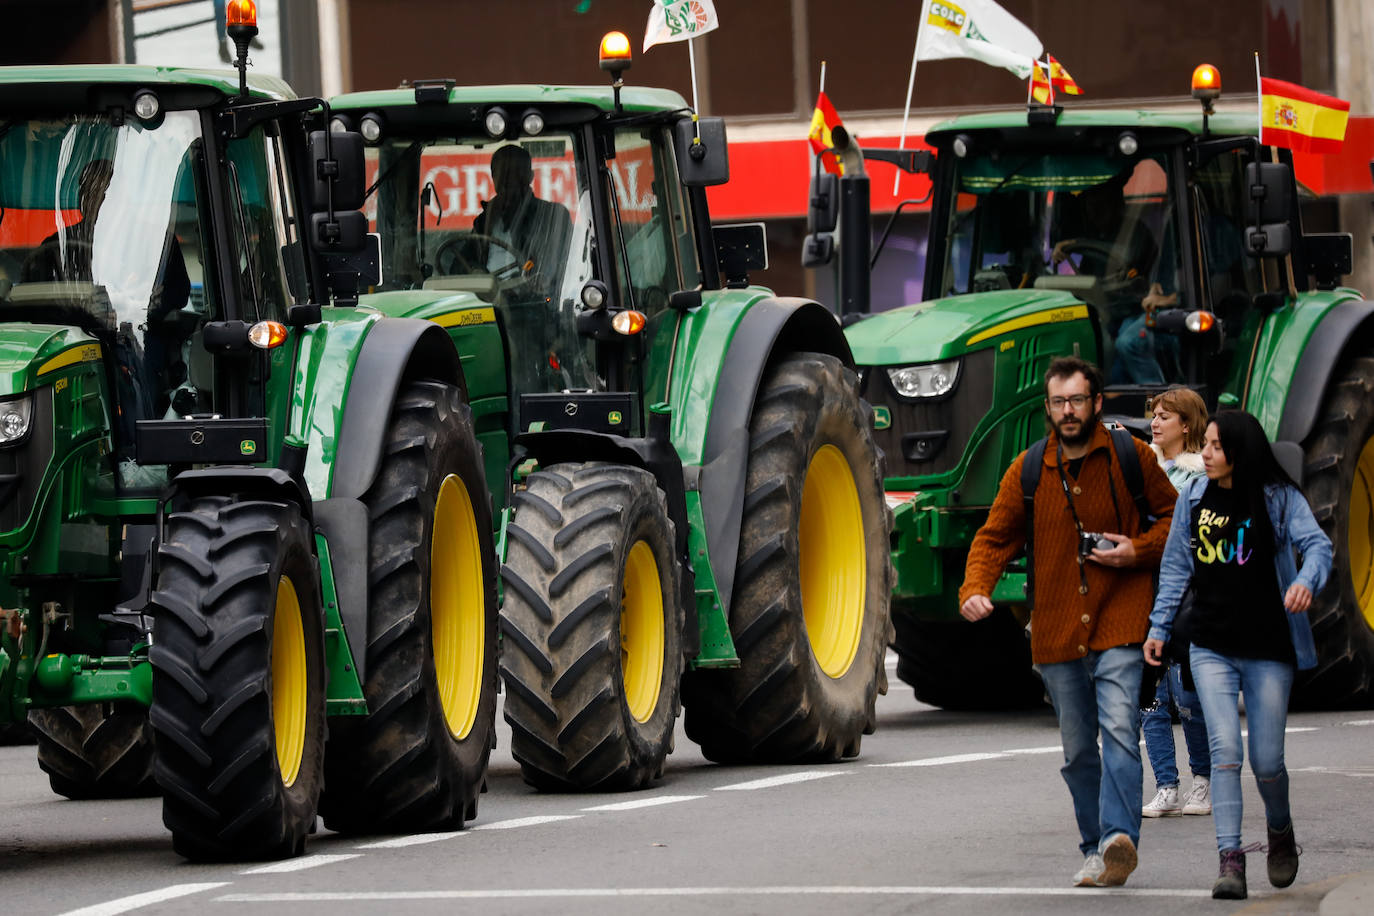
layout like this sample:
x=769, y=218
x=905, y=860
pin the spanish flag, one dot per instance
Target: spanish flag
x=1300, y=119
x=823, y=120
x=1041, y=89
x=1060, y=79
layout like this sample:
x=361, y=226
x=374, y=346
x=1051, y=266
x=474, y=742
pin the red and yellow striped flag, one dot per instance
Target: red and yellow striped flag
x=1040, y=87
x=824, y=120
x=1060, y=79
x=1300, y=119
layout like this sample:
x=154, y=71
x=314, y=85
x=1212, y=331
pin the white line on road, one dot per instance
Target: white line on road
x=133, y=902
x=1047, y=749
x=644, y=803
x=526, y=821
x=784, y=779
x=301, y=864
x=941, y=761
x=780, y=891
x=1359, y=722
x=415, y=839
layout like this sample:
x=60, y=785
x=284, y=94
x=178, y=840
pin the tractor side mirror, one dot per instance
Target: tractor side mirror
x=337, y=164
x=1270, y=233
x=823, y=208
x=741, y=247
x=701, y=165
x=1330, y=256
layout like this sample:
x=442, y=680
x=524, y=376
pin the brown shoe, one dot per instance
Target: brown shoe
x=1283, y=856
x=1120, y=860
x=1230, y=883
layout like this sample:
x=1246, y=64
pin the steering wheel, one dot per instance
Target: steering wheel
x=451, y=257
x=38, y=264
x=1104, y=250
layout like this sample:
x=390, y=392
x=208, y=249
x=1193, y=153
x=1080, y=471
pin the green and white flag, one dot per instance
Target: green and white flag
x=679, y=20
x=979, y=29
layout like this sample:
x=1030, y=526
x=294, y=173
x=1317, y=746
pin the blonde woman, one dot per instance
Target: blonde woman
x=1179, y=419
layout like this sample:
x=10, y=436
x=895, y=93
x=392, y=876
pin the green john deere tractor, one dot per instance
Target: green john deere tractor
x=246, y=551
x=693, y=498
x=1048, y=230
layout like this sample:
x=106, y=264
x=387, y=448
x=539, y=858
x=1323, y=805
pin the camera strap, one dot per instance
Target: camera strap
x=1073, y=510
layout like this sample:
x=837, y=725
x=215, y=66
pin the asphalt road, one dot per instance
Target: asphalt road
x=943, y=813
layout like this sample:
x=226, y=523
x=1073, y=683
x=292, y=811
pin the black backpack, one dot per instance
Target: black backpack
x=1034, y=463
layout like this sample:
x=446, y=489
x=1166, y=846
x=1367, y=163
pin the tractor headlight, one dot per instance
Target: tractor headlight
x=928, y=380
x=14, y=419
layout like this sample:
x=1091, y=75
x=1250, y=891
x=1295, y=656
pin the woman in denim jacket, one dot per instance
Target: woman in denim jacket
x=1248, y=628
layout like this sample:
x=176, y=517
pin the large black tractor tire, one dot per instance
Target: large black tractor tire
x=238, y=708
x=966, y=666
x=418, y=760
x=592, y=628
x=809, y=614
x=1339, y=485
x=89, y=753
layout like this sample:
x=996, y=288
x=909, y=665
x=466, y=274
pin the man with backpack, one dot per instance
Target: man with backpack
x=1091, y=506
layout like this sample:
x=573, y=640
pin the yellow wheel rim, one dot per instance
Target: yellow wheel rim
x=641, y=632
x=290, y=687
x=832, y=561
x=1360, y=533
x=457, y=606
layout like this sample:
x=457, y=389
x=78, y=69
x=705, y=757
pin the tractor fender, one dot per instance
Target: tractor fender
x=771, y=327
x=1325, y=347
x=242, y=482
x=395, y=350
x=654, y=454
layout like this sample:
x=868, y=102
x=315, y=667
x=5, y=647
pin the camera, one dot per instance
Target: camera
x=1087, y=540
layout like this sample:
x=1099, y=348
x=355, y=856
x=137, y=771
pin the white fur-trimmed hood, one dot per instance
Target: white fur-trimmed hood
x=1189, y=461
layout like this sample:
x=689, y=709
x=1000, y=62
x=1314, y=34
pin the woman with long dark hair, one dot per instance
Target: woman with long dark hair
x=1233, y=539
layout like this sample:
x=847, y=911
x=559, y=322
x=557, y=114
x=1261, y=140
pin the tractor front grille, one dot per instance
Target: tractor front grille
x=22, y=464
x=927, y=436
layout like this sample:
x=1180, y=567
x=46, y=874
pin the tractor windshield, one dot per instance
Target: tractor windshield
x=507, y=223
x=1096, y=226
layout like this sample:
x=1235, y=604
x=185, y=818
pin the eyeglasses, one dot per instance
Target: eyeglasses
x=1079, y=401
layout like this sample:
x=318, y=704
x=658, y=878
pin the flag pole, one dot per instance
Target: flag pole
x=692, y=62
x=910, y=84
x=1259, y=100
x=822, y=89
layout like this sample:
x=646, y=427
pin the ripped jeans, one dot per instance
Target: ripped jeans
x=1158, y=726
x=1220, y=679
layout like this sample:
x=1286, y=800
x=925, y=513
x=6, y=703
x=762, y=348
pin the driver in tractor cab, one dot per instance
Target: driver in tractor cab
x=522, y=225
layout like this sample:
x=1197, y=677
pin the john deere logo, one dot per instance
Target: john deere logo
x=248, y=447
x=614, y=418
x=882, y=418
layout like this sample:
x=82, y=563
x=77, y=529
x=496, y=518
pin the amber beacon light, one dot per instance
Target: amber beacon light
x=615, y=52
x=1206, y=84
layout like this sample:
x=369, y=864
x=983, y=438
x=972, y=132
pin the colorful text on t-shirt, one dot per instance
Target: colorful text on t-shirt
x=1220, y=547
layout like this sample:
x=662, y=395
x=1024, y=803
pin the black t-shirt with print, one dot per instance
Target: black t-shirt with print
x=1238, y=609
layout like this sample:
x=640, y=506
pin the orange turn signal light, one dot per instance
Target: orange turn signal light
x=1200, y=322
x=241, y=12
x=1206, y=82
x=615, y=51
x=628, y=322
x=267, y=334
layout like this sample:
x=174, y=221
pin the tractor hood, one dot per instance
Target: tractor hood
x=444, y=307
x=948, y=328
x=28, y=351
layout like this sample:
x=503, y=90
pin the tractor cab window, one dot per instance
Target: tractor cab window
x=505, y=224
x=655, y=252
x=1230, y=278
x=269, y=267
x=102, y=229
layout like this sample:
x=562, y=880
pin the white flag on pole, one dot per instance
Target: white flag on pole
x=679, y=20
x=979, y=29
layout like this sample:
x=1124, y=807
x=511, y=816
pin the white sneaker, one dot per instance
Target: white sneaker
x=1165, y=804
x=1199, y=797
x=1092, y=869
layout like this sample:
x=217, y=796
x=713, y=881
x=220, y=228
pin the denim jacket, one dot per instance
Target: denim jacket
x=1294, y=528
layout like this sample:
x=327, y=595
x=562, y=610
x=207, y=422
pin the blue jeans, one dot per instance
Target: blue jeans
x=1140, y=353
x=1100, y=692
x=1158, y=726
x=1220, y=679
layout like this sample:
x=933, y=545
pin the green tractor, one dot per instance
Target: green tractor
x=246, y=549
x=693, y=500
x=1049, y=229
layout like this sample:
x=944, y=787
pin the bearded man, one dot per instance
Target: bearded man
x=1092, y=559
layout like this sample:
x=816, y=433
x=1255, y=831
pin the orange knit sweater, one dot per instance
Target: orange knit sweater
x=1066, y=624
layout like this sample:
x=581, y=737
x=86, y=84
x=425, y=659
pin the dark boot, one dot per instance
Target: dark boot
x=1230, y=883
x=1283, y=856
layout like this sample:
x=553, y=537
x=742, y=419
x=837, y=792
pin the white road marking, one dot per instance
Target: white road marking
x=415, y=839
x=941, y=761
x=1359, y=722
x=301, y=864
x=134, y=901
x=1047, y=749
x=526, y=821
x=1357, y=772
x=779, y=891
x=644, y=803
x=784, y=779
